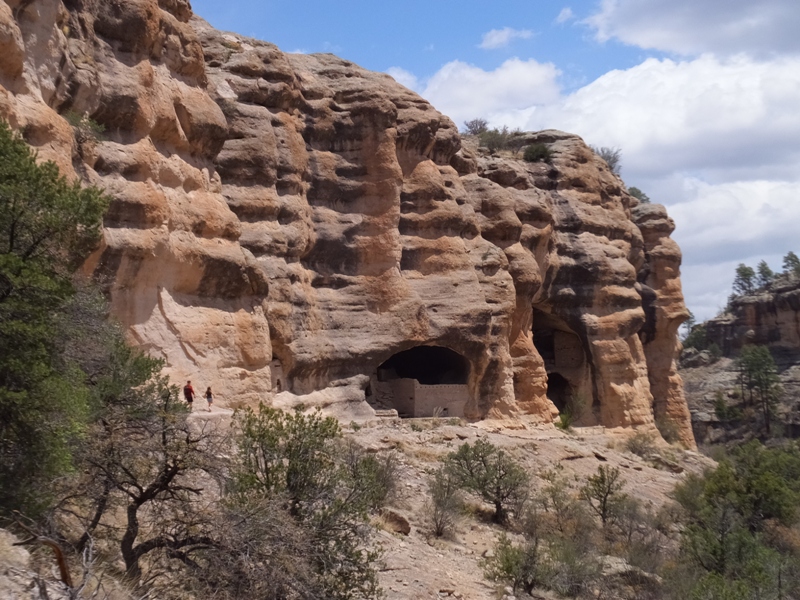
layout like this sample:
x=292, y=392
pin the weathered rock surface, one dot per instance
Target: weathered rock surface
x=283, y=224
x=771, y=316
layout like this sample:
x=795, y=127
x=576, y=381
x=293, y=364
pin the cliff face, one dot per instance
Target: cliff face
x=283, y=225
x=771, y=316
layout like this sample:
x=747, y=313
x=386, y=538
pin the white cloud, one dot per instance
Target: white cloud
x=715, y=139
x=500, y=38
x=690, y=27
x=509, y=94
x=728, y=118
x=403, y=77
x=565, y=15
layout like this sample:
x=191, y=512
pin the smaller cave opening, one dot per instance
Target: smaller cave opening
x=559, y=391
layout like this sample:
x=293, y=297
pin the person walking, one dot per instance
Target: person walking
x=209, y=398
x=188, y=394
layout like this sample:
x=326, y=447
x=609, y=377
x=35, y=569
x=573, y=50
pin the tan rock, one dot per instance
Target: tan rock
x=283, y=227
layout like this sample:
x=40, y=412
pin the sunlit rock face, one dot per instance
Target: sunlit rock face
x=282, y=225
x=769, y=316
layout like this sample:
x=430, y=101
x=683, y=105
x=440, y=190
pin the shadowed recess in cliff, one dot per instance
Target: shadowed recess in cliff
x=429, y=365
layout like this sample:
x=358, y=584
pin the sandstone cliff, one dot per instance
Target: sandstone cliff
x=284, y=227
x=771, y=316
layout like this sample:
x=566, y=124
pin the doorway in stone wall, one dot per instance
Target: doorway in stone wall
x=422, y=381
x=568, y=375
x=559, y=391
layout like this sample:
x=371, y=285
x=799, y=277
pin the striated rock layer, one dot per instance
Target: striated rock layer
x=282, y=225
x=770, y=316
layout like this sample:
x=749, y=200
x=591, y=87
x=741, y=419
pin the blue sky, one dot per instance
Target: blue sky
x=702, y=96
x=421, y=36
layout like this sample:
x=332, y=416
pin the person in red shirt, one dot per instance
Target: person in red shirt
x=188, y=393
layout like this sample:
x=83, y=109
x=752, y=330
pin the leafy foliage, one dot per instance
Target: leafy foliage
x=639, y=195
x=445, y=501
x=735, y=538
x=537, y=153
x=791, y=264
x=759, y=376
x=764, y=275
x=603, y=492
x=488, y=471
x=744, y=282
x=299, y=461
x=47, y=227
x=476, y=126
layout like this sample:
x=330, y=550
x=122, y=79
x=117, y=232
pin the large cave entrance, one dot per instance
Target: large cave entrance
x=423, y=381
x=568, y=376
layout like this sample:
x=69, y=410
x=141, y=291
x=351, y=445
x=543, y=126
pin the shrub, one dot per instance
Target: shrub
x=696, y=339
x=639, y=195
x=86, y=128
x=641, y=444
x=729, y=512
x=494, y=139
x=612, y=156
x=603, y=493
x=476, y=126
x=538, y=153
x=516, y=564
x=298, y=461
x=445, y=502
x=668, y=429
x=489, y=472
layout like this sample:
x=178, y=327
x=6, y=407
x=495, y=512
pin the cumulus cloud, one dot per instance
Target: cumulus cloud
x=719, y=116
x=715, y=139
x=691, y=27
x=500, y=38
x=403, y=77
x=509, y=93
x=565, y=15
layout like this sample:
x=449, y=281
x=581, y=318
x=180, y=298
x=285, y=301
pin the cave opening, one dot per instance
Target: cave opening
x=559, y=391
x=423, y=381
x=429, y=365
x=568, y=372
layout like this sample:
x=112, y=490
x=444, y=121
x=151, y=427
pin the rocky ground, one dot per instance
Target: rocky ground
x=416, y=565
x=420, y=566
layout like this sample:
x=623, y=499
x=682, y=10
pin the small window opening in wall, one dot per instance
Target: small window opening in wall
x=278, y=386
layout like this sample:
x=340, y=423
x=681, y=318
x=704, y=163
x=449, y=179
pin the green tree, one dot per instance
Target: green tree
x=759, y=375
x=143, y=458
x=47, y=227
x=791, y=264
x=729, y=518
x=603, y=492
x=639, y=195
x=476, y=126
x=488, y=471
x=765, y=275
x=687, y=325
x=744, y=282
x=299, y=461
x=445, y=501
